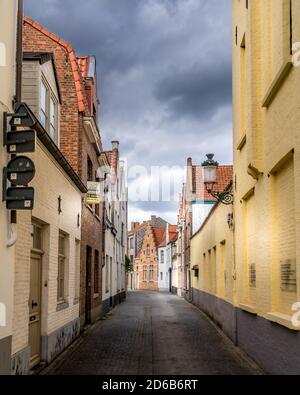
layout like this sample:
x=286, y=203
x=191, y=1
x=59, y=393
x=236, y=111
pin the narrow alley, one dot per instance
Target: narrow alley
x=153, y=334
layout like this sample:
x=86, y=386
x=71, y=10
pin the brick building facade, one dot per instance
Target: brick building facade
x=80, y=142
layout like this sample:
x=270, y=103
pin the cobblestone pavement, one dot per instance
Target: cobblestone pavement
x=153, y=334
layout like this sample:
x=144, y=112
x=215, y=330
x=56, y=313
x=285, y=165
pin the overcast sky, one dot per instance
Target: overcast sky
x=164, y=74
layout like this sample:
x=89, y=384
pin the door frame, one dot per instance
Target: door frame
x=88, y=285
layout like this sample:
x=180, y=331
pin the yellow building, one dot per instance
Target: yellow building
x=264, y=274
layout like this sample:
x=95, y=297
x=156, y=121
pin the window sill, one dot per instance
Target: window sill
x=242, y=142
x=283, y=72
x=62, y=306
x=249, y=309
x=281, y=319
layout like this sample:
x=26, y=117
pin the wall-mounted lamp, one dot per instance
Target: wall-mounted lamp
x=210, y=167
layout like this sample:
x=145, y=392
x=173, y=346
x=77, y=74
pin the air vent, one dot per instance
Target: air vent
x=252, y=275
x=288, y=275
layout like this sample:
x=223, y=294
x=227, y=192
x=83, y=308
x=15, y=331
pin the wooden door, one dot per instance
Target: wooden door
x=35, y=308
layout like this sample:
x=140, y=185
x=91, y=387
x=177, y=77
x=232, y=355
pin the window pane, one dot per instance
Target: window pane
x=61, y=246
x=61, y=278
x=36, y=237
x=52, y=112
x=43, y=119
x=52, y=133
x=43, y=97
x=52, y=119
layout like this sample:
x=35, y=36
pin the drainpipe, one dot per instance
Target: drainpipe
x=19, y=58
x=12, y=216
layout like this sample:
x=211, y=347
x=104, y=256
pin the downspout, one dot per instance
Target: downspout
x=19, y=58
x=12, y=216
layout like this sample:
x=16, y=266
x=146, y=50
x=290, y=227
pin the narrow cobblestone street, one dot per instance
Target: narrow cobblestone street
x=152, y=334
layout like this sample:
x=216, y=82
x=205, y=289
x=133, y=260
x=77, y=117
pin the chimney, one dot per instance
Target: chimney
x=134, y=225
x=115, y=145
x=114, y=160
x=167, y=234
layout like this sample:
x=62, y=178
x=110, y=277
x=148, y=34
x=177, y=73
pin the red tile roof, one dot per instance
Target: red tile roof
x=224, y=177
x=159, y=236
x=73, y=60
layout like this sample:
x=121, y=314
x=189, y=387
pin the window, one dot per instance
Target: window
x=77, y=269
x=162, y=256
x=151, y=277
x=48, y=111
x=107, y=274
x=61, y=267
x=145, y=274
x=252, y=275
x=288, y=275
x=161, y=276
x=52, y=119
x=36, y=237
x=90, y=173
x=131, y=243
x=43, y=110
x=148, y=251
x=97, y=210
x=96, y=272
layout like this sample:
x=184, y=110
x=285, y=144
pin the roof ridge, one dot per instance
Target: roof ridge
x=68, y=47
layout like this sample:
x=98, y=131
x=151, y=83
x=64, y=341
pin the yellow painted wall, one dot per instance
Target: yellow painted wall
x=211, y=251
x=266, y=143
x=267, y=166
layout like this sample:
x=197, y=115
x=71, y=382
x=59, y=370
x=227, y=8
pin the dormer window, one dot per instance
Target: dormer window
x=43, y=110
x=48, y=110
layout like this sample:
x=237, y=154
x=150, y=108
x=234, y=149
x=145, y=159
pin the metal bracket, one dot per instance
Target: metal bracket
x=4, y=184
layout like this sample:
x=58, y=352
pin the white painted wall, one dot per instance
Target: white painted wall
x=113, y=276
x=8, y=26
x=163, y=269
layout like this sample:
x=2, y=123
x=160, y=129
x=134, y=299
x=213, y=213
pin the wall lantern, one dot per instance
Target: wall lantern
x=210, y=169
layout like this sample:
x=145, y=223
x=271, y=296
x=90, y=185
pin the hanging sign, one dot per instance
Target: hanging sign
x=93, y=196
x=20, y=170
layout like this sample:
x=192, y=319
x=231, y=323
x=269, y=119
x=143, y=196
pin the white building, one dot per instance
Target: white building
x=115, y=221
x=8, y=30
x=165, y=255
x=175, y=269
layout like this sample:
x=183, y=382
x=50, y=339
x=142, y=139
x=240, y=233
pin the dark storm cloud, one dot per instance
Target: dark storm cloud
x=197, y=91
x=164, y=72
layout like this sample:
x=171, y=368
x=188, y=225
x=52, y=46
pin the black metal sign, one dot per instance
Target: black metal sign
x=19, y=138
x=20, y=198
x=16, y=140
x=21, y=142
x=20, y=170
x=22, y=118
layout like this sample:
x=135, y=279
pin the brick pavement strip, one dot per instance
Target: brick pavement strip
x=153, y=334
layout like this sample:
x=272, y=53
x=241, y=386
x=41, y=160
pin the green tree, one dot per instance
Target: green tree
x=128, y=264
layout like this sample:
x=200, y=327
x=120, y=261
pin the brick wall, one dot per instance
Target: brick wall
x=145, y=260
x=74, y=142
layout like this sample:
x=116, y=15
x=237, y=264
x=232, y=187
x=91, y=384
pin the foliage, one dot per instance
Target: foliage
x=128, y=264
